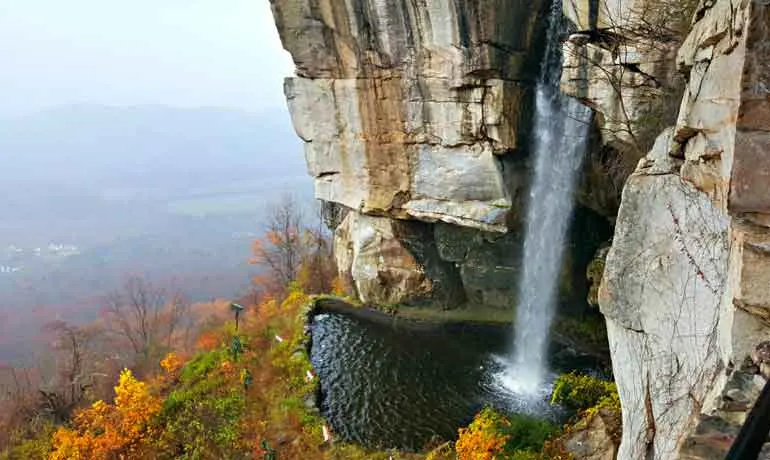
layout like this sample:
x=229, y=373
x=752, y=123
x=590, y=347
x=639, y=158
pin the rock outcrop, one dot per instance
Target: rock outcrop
x=684, y=290
x=379, y=263
x=595, y=438
x=414, y=111
x=416, y=120
x=404, y=108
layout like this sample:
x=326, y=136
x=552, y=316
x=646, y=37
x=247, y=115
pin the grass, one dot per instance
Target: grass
x=276, y=405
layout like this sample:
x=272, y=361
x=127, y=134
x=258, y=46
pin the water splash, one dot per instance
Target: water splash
x=561, y=128
x=516, y=398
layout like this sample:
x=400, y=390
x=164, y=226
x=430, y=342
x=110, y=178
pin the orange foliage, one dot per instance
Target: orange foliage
x=339, y=286
x=290, y=252
x=481, y=440
x=105, y=431
x=207, y=341
x=172, y=363
x=275, y=239
x=227, y=368
x=279, y=379
x=267, y=286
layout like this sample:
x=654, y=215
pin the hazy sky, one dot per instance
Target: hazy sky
x=119, y=52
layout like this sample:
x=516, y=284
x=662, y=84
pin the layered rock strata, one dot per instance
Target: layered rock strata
x=413, y=111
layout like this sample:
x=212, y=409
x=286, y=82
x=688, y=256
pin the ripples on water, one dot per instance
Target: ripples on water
x=397, y=385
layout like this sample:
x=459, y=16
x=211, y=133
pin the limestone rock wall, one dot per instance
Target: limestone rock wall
x=412, y=111
x=404, y=106
x=611, y=69
x=685, y=287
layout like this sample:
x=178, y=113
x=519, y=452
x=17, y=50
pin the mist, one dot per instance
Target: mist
x=139, y=138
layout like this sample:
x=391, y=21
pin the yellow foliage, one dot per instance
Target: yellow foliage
x=171, y=364
x=294, y=299
x=134, y=404
x=585, y=393
x=105, y=431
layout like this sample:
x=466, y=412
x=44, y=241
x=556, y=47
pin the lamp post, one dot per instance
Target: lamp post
x=238, y=309
x=237, y=345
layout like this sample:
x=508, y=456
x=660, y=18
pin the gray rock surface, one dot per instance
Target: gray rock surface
x=685, y=284
x=413, y=111
x=383, y=270
x=404, y=106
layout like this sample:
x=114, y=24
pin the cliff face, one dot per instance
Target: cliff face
x=415, y=118
x=684, y=290
x=404, y=107
x=414, y=113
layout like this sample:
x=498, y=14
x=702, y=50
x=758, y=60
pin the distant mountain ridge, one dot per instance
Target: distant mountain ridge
x=73, y=160
x=133, y=145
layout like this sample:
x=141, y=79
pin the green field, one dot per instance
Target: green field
x=217, y=205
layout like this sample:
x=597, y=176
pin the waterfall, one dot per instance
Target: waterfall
x=560, y=132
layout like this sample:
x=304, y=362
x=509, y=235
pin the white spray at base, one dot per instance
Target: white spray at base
x=560, y=133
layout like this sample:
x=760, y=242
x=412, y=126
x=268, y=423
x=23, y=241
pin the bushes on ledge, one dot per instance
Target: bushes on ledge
x=584, y=393
x=493, y=435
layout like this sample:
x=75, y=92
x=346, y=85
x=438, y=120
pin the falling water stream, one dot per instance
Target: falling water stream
x=385, y=384
x=560, y=132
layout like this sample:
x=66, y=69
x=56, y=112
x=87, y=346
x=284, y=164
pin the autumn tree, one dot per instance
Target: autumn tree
x=19, y=404
x=71, y=368
x=147, y=318
x=279, y=251
x=293, y=251
x=318, y=269
x=33, y=400
x=106, y=431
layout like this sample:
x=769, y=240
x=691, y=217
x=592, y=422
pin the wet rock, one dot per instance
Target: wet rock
x=712, y=439
x=594, y=274
x=310, y=404
x=761, y=353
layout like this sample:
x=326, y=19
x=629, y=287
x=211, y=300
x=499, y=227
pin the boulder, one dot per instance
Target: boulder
x=596, y=439
x=383, y=270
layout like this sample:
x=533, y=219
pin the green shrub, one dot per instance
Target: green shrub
x=201, y=417
x=200, y=366
x=583, y=392
x=32, y=445
x=527, y=433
